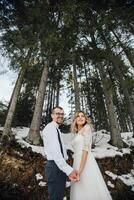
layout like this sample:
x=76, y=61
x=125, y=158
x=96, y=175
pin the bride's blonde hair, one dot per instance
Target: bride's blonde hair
x=74, y=127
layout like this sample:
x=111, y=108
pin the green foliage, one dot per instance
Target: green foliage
x=87, y=33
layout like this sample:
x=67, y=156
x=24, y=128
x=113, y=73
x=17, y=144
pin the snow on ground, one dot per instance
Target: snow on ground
x=102, y=149
x=20, y=135
x=42, y=183
x=100, y=138
x=127, y=179
x=39, y=178
x=112, y=175
x=110, y=184
x=107, y=150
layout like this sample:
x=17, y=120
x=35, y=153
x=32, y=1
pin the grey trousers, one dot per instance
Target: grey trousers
x=56, y=180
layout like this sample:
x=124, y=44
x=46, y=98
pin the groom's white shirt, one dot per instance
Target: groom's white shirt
x=52, y=147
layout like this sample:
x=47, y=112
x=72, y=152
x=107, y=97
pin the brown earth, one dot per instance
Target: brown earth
x=19, y=166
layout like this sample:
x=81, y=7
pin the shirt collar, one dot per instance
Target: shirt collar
x=56, y=125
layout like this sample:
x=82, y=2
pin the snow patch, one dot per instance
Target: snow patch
x=68, y=184
x=39, y=176
x=112, y=175
x=127, y=179
x=42, y=184
x=110, y=184
x=101, y=138
x=21, y=134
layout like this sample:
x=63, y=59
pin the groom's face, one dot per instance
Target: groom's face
x=58, y=115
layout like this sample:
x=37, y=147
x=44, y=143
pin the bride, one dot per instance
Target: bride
x=91, y=185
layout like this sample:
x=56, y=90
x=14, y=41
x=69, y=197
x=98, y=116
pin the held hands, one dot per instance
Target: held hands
x=74, y=176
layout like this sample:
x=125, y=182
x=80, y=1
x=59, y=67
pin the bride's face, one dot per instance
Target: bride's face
x=80, y=119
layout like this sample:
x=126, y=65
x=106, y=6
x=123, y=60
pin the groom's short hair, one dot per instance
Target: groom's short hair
x=55, y=108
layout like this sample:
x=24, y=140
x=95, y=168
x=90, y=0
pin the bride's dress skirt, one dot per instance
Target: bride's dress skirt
x=91, y=185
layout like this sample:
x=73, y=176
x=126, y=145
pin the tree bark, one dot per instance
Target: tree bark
x=129, y=56
x=58, y=87
x=125, y=91
x=118, y=64
x=88, y=91
x=76, y=89
x=13, y=103
x=57, y=93
x=34, y=132
x=112, y=115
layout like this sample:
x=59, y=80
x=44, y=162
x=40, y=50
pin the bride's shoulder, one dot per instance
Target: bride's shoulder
x=87, y=126
x=87, y=129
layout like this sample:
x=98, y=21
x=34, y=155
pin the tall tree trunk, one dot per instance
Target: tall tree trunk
x=129, y=56
x=125, y=91
x=47, y=117
x=58, y=87
x=121, y=116
x=54, y=96
x=51, y=97
x=48, y=100
x=118, y=103
x=34, y=132
x=100, y=89
x=76, y=89
x=88, y=91
x=57, y=93
x=100, y=104
x=13, y=103
x=81, y=93
x=114, y=126
x=131, y=26
x=118, y=64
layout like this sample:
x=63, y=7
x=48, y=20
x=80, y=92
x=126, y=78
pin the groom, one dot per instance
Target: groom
x=56, y=169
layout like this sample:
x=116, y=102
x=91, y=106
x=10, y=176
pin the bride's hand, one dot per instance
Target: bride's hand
x=78, y=175
x=79, y=172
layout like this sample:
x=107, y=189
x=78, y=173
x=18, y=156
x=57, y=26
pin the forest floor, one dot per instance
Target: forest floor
x=22, y=172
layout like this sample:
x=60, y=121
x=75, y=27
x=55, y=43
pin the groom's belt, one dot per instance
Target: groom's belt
x=50, y=160
x=54, y=165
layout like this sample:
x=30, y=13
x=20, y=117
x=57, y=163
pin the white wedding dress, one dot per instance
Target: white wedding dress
x=91, y=185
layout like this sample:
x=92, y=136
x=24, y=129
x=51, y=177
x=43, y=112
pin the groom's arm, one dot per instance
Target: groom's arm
x=54, y=150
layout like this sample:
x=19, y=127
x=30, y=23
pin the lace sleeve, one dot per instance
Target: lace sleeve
x=71, y=144
x=87, y=133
